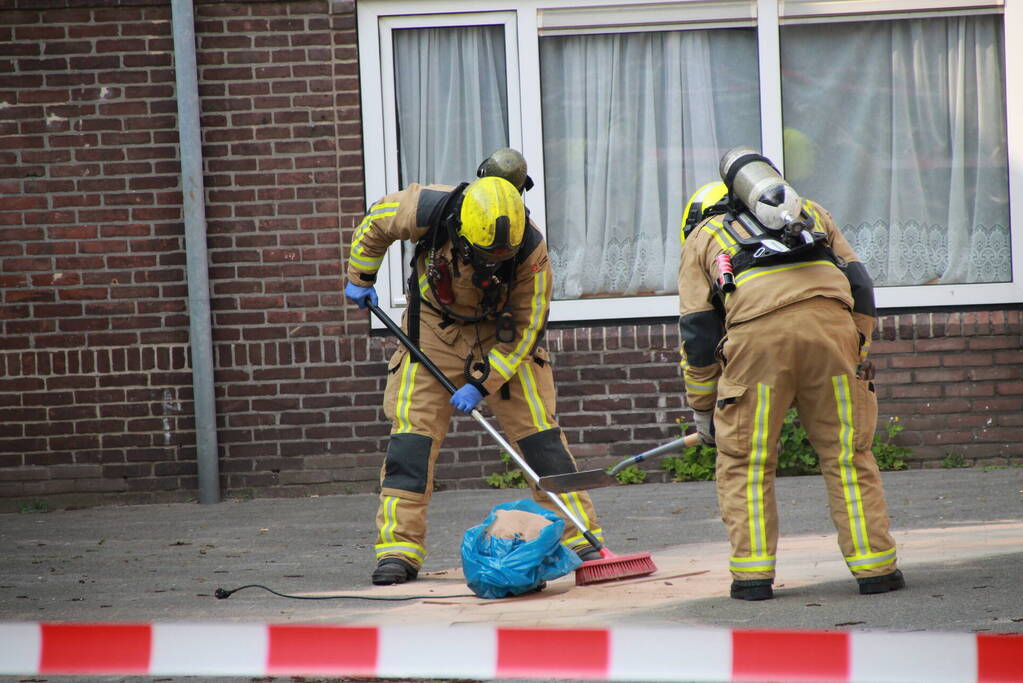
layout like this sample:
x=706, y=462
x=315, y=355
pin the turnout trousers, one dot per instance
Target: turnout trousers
x=419, y=409
x=803, y=355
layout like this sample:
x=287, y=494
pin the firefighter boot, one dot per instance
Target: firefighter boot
x=392, y=570
x=754, y=589
x=882, y=584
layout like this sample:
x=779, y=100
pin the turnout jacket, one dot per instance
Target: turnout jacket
x=396, y=216
x=705, y=314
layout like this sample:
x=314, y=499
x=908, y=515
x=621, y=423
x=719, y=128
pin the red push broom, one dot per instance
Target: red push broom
x=610, y=567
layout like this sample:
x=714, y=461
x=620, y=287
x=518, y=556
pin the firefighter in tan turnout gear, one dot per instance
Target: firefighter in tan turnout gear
x=478, y=300
x=776, y=310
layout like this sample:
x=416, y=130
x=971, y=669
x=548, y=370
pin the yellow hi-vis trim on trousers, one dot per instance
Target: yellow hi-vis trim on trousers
x=847, y=471
x=387, y=544
x=755, y=473
x=404, y=402
x=870, y=560
x=576, y=506
x=762, y=564
x=537, y=410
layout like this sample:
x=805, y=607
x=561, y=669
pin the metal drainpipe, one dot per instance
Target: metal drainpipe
x=194, y=211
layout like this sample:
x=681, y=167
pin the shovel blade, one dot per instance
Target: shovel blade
x=576, y=481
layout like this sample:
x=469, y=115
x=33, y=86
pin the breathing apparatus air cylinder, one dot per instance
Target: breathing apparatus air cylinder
x=754, y=181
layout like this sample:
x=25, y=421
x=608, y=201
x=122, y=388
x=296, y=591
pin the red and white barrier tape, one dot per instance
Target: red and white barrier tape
x=489, y=652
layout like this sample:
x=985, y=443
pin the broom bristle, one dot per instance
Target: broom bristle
x=612, y=567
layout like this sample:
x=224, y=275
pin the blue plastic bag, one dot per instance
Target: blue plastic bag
x=499, y=567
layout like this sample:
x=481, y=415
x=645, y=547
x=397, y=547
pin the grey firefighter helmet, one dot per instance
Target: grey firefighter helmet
x=509, y=164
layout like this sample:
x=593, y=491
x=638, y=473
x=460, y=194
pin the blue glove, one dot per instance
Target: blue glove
x=360, y=294
x=466, y=398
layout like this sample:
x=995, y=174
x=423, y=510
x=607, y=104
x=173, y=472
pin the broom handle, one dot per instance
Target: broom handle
x=478, y=416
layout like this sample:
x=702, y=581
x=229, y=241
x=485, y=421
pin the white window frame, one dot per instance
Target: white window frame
x=379, y=119
x=525, y=22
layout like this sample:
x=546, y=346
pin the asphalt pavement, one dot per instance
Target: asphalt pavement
x=960, y=536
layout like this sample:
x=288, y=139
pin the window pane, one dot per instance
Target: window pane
x=632, y=123
x=898, y=128
x=452, y=99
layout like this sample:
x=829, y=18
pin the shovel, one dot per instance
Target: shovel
x=478, y=416
x=610, y=567
x=595, y=479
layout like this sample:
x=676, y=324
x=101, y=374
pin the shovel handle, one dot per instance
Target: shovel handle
x=478, y=416
x=670, y=447
x=413, y=349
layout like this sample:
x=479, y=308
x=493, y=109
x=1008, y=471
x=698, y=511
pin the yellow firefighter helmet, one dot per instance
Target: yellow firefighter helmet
x=493, y=218
x=707, y=195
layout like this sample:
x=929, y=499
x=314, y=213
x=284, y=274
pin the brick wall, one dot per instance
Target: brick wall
x=95, y=381
x=95, y=395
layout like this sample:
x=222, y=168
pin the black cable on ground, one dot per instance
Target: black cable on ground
x=223, y=593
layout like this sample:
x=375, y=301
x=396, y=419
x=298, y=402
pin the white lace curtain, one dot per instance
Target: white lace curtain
x=898, y=128
x=632, y=123
x=452, y=100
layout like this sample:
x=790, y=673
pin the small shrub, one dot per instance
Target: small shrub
x=631, y=475
x=890, y=456
x=34, y=507
x=511, y=478
x=953, y=461
x=695, y=463
x=795, y=454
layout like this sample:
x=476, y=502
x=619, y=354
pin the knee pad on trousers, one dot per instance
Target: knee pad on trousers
x=546, y=454
x=408, y=461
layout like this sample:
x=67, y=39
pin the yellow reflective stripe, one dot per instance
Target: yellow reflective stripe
x=370, y=265
x=413, y=550
x=865, y=349
x=762, y=563
x=752, y=273
x=388, y=506
x=812, y=211
x=358, y=257
x=507, y=364
x=716, y=229
x=870, y=560
x=701, y=388
x=755, y=471
x=847, y=472
x=537, y=411
x=404, y=401
x=378, y=211
x=424, y=284
x=575, y=504
x=497, y=360
x=577, y=540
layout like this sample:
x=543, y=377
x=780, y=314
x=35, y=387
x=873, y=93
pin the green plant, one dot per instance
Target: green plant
x=631, y=475
x=509, y=479
x=954, y=460
x=33, y=507
x=695, y=463
x=890, y=456
x=795, y=454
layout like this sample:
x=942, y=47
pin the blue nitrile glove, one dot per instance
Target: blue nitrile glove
x=466, y=398
x=360, y=294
